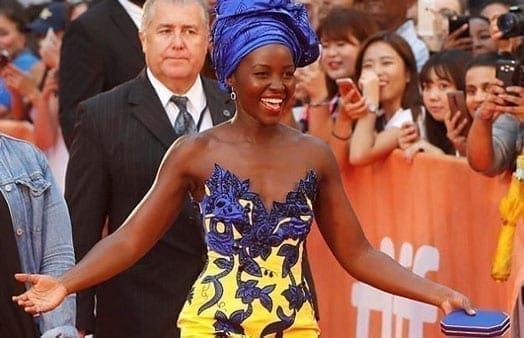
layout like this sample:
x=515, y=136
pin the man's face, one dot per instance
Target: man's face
x=388, y=13
x=175, y=43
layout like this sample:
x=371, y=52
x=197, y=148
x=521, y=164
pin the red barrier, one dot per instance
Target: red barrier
x=435, y=216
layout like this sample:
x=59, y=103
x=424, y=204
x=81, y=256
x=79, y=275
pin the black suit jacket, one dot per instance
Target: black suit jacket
x=119, y=141
x=100, y=49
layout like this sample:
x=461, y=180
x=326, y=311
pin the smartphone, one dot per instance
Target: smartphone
x=508, y=71
x=345, y=85
x=4, y=58
x=426, y=18
x=457, y=105
x=49, y=37
x=457, y=21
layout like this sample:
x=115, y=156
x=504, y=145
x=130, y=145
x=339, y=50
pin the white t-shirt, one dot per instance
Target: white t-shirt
x=57, y=157
x=400, y=117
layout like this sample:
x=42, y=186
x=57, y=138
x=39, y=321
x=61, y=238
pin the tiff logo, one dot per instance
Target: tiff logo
x=366, y=298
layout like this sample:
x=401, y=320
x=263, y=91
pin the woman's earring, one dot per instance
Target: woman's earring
x=233, y=95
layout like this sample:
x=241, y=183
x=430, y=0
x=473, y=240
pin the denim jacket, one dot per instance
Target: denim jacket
x=508, y=136
x=41, y=225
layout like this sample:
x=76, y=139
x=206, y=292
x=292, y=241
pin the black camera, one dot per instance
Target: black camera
x=512, y=23
x=4, y=58
x=510, y=72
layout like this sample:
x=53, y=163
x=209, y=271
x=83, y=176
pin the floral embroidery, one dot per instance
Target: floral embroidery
x=245, y=235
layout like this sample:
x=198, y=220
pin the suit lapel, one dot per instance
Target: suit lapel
x=146, y=107
x=125, y=24
x=221, y=107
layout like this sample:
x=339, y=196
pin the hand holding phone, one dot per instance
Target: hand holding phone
x=510, y=73
x=457, y=105
x=345, y=85
x=4, y=58
x=456, y=22
x=370, y=84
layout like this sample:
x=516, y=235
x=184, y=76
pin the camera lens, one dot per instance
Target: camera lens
x=507, y=23
x=511, y=24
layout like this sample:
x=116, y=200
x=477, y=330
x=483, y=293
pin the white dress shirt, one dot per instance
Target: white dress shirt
x=419, y=47
x=134, y=11
x=196, y=105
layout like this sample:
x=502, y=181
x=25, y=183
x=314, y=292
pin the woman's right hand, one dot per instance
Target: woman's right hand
x=46, y=293
x=453, y=41
x=312, y=81
x=352, y=110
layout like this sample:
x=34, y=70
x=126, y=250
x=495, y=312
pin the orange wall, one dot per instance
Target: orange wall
x=436, y=215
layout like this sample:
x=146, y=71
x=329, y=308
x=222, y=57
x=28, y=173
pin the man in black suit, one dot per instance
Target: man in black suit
x=119, y=141
x=100, y=50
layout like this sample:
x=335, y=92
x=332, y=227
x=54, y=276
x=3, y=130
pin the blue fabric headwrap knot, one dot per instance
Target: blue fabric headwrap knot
x=242, y=26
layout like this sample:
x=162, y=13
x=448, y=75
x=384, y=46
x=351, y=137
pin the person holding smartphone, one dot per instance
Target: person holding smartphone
x=440, y=129
x=497, y=133
x=14, y=40
x=341, y=34
x=387, y=73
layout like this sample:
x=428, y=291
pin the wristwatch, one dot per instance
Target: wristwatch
x=373, y=108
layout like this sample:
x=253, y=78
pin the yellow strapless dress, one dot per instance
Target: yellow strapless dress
x=252, y=284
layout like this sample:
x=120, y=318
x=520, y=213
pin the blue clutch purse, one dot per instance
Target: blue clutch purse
x=485, y=323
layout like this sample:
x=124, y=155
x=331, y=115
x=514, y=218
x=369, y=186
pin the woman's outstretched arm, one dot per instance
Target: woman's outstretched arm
x=118, y=251
x=342, y=231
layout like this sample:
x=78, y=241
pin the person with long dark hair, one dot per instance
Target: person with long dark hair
x=437, y=130
x=388, y=79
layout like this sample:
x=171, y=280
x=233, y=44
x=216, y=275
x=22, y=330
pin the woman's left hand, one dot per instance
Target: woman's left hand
x=457, y=301
x=455, y=131
x=408, y=135
x=514, y=97
x=420, y=146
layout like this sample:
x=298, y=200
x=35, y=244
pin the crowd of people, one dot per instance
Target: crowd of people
x=169, y=160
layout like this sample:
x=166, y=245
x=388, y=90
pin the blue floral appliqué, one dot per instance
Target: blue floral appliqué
x=241, y=231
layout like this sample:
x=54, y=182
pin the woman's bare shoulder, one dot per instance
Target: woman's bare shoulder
x=185, y=147
x=310, y=143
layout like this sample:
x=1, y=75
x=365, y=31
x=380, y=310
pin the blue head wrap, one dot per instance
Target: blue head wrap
x=242, y=26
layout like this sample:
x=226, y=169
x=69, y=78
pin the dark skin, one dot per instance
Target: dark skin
x=274, y=157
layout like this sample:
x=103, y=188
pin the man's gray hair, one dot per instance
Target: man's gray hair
x=149, y=7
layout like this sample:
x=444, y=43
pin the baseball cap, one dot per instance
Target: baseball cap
x=52, y=16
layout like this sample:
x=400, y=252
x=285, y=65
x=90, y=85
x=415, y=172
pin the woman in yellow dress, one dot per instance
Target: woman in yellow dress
x=259, y=184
